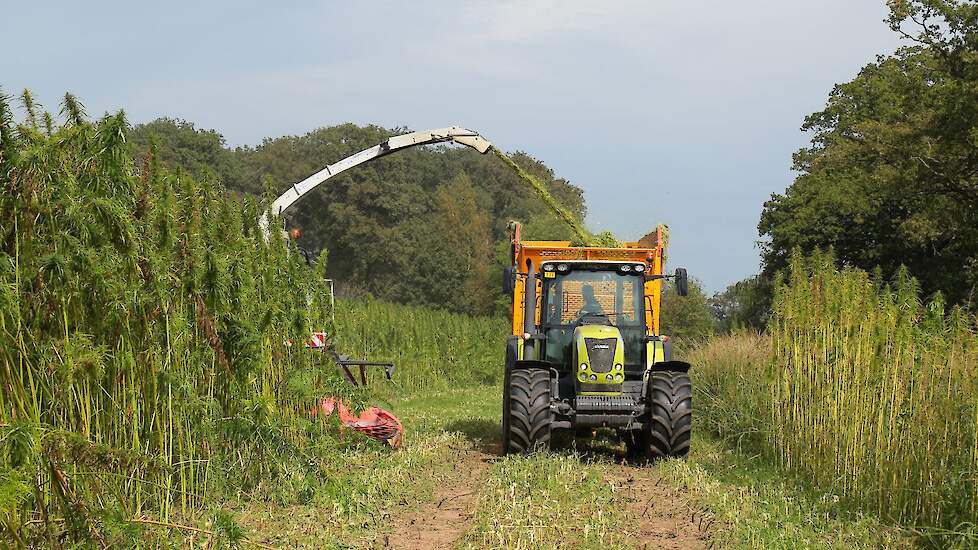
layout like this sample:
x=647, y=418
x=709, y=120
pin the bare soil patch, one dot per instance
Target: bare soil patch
x=442, y=521
x=663, y=517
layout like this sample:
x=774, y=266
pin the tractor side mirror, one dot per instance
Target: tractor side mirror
x=682, y=284
x=509, y=280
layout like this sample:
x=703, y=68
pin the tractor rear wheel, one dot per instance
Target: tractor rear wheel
x=670, y=420
x=527, y=424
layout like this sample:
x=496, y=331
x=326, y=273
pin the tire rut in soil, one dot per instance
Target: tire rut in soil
x=443, y=520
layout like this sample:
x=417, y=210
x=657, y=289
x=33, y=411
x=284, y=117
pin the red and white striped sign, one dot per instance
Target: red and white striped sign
x=316, y=340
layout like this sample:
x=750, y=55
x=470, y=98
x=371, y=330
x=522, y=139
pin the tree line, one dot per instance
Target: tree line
x=426, y=226
x=890, y=177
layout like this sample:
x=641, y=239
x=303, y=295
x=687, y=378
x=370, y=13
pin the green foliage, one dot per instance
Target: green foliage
x=687, y=319
x=863, y=390
x=145, y=322
x=891, y=177
x=433, y=350
x=143, y=328
x=458, y=267
x=393, y=224
x=541, y=190
x=183, y=147
x=745, y=304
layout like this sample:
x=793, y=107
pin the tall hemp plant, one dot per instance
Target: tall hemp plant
x=874, y=393
x=144, y=323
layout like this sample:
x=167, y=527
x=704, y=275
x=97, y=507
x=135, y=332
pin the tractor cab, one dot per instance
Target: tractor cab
x=593, y=321
x=585, y=350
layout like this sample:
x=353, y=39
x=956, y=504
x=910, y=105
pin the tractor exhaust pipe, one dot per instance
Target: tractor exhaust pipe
x=529, y=311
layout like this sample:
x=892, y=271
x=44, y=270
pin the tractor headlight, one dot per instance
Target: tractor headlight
x=548, y=267
x=593, y=377
x=562, y=268
x=618, y=378
x=639, y=268
x=583, y=366
x=609, y=378
x=582, y=377
x=618, y=366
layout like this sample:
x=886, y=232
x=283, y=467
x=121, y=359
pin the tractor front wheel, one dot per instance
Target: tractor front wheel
x=670, y=421
x=526, y=426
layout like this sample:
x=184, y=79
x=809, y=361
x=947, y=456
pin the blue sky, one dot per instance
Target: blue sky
x=662, y=111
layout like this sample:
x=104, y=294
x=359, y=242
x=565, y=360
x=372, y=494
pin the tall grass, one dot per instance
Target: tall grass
x=433, y=350
x=863, y=389
x=143, y=322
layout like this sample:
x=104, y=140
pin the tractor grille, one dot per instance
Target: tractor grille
x=601, y=352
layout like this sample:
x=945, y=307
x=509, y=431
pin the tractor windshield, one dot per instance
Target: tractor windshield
x=593, y=291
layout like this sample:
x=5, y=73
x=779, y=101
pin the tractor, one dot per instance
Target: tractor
x=586, y=351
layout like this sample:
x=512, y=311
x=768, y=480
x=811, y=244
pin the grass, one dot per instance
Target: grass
x=433, y=350
x=372, y=484
x=547, y=501
x=874, y=393
x=739, y=500
x=144, y=323
x=862, y=391
x=750, y=504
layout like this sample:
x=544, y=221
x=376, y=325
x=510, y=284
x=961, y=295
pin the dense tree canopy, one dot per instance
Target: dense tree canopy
x=422, y=226
x=891, y=175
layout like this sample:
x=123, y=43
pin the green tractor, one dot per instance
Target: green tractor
x=585, y=350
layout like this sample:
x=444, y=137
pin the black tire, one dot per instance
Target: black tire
x=506, y=411
x=670, y=420
x=527, y=424
x=511, y=354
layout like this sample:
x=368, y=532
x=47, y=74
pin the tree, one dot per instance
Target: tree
x=744, y=304
x=891, y=175
x=458, y=262
x=689, y=318
x=185, y=148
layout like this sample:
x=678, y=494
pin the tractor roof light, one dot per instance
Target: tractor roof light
x=548, y=267
x=639, y=268
x=562, y=268
x=625, y=268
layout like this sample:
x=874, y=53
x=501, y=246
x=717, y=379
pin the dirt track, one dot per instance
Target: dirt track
x=664, y=518
x=442, y=521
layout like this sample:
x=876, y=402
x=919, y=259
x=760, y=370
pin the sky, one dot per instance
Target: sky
x=680, y=112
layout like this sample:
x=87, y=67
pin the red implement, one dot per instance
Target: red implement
x=375, y=423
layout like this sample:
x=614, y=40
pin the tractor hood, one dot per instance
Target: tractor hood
x=599, y=358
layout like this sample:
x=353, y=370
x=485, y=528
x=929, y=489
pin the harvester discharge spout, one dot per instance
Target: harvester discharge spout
x=456, y=134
